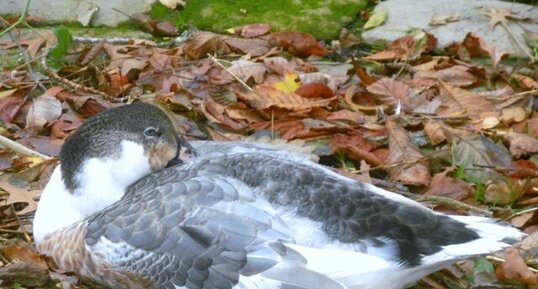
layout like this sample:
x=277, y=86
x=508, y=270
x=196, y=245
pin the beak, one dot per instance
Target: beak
x=184, y=153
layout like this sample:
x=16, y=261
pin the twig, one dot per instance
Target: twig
x=216, y=61
x=501, y=260
x=69, y=83
x=21, y=19
x=521, y=213
x=454, y=204
x=20, y=149
x=26, y=61
x=7, y=231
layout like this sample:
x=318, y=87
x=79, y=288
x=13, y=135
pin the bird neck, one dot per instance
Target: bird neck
x=100, y=183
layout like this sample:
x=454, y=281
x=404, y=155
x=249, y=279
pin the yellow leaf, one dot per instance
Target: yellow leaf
x=290, y=83
x=7, y=92
x=378, y=17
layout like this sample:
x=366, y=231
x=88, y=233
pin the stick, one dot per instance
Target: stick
x=20, y=149
x=216, y=61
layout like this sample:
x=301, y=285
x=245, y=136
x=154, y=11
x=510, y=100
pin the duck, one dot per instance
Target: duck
x=121, y=211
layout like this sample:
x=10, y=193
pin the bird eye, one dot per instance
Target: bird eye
x=151, y=132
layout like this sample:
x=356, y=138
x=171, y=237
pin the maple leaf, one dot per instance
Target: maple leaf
x=497, y=16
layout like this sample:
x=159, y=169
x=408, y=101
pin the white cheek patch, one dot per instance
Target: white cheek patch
x=101, y=182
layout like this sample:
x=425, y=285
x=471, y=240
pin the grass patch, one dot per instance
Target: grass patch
x=324, y=19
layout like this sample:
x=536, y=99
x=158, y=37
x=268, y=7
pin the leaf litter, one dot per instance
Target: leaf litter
x=459, y=128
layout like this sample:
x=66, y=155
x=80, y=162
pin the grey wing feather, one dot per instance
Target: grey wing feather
x=198, y=232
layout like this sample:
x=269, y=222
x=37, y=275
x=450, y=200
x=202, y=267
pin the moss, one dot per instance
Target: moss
x=324, y=19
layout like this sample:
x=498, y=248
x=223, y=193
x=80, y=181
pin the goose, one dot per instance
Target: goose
x=121, y=212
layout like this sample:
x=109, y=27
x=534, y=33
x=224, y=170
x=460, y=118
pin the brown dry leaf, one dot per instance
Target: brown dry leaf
x=133, y=65
x=315, y=90
x=497, y=16
x=435, y=132
x=443, y=185
x=265, y=96
x=86, y=106
x=521, y=144
x=411, y=167
x=356, y=148
x=457, y=101
x=24, y=254
x=251, y=30
x=515, y=269
x=456, y=75
x=500, y=192
x=391, y=91
x=525, y=81
x=520, y=220
x=200, y=44
x=10, y=105
x=298, y=43
x=34, y=43
x=474, y=46
x=408, y=47
x=279, y=64
x=513, y=114
x=252, y=47
x=215, y=112
x=355, y=117
x=25, y=268
x=246, y=69
x=45, y=109
x=363, y=75
x=20, y=195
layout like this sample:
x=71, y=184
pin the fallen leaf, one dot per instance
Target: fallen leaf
x=499, y=192
x=246, y=69
x=264, y=97
x=478, y=155
x=442, y=19
x=456, y=75
x=525, y=81
x=457, y=101
x=391, y=92
x=355, y=117
x=435, y=132
x=497, y=16
x=513, y=114
x=515, y=269
x=45, y=109
x=251, y=30
x=445, y=186
x=377, y=18
x=290, y=82
x=10, y=105
x=20, y=195
x=24, y=254
x=298, y=43
x=8, y=92
x=252, y=47
x=408, y=47
x=521, y=144
x=356, y=148
x=215, y=112
x=26, y=268
x=410, y=165
x=202, y=43
x=314, y=90
x=173, y=4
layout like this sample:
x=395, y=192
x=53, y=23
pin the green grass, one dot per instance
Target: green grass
x=323, y=19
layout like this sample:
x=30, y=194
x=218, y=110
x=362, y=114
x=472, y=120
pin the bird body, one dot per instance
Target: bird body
x=238, y=215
